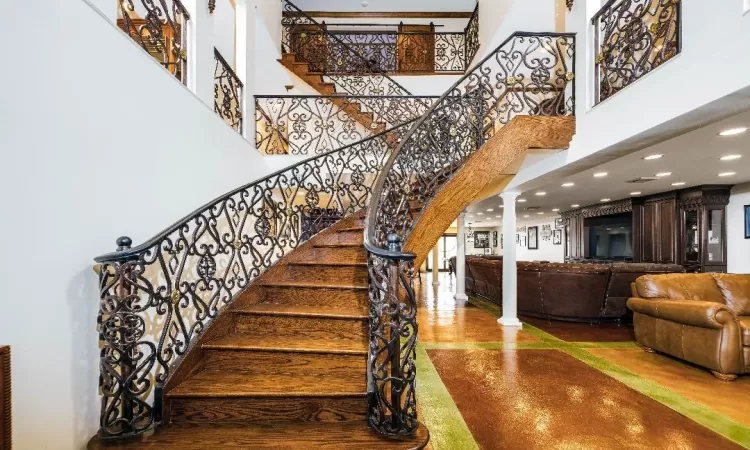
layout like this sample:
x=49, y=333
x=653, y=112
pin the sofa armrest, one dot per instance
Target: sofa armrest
x=687, y=312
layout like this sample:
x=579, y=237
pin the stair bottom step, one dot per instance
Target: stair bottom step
x=350, y=436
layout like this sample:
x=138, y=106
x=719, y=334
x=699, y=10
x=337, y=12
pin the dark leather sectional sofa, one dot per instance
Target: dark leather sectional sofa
x=563, y=291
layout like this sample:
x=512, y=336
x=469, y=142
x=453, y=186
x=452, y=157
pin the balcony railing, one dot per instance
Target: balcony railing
x=313, y=124
x=158, y=27
x=227, y=93
x=401, y=51
x=632, y=38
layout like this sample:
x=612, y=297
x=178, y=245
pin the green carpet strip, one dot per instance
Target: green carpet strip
x=438, y=411
x=697, y=412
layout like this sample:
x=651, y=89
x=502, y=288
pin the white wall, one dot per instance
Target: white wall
x=738, y=248
x=386, y=5
x=493, y=250
x=498, y=19
x=224, y=31
x=656, y=106
x=547, y=250
x=98, y=141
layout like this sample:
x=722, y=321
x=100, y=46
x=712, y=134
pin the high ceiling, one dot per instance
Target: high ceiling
x=692, y=158
x=387, y=5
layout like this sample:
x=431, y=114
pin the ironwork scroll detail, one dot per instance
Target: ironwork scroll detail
x=158, y=28
x=632, y=38
x=227, y=93
x=307, y=125
x=157, y=298
x=472, y=36
x=529, y=74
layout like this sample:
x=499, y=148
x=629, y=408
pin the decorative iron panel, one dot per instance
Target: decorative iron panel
x=227, y=93
x=155, y=299
x=158, y=28
x=307, y=125
x=529, y=74
x=472, y=36
x=632, y=38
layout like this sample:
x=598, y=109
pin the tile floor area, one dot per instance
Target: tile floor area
x=555, y=385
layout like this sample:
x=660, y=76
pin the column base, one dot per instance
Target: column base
x=436, y=283
x=463, y=297
x=510, y=322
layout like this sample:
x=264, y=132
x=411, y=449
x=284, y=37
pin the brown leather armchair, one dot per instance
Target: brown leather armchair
x=703, y=318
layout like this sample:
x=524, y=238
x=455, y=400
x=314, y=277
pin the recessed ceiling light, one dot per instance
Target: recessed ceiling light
x=606, y=199
x=575, y=205
x=636, y=193
x=733, y=131
x=555, y=209
x=521, y=200
x=663, y=174
x=568, y=184
x=540, y=212
x=600, y=174
x=499, y=217
x=490, y=209
x=652, y=157
x=502, y=206
x=730, y=157
x=526, y=215
x=727, y=174
x=540, y=193
x=679, y=183
x=480, y=214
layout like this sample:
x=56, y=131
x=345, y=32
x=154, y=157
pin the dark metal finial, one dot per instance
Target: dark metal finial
x=394, y=242
x=123, y=243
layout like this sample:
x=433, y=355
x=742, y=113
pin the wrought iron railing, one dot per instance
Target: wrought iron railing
x=156, y=298
x=632, y=38
x=227, y=93
x=406, y=52
x=529, y=74
x=308, y=124
x=312, y=43
x=158, y=27
x=472, y=36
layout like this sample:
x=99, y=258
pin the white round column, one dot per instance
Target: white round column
x=510, y=284
x=461, y=257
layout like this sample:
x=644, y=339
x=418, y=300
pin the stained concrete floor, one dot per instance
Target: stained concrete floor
x=554, y=385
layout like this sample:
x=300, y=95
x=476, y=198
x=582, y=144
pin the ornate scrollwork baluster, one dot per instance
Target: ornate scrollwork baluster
x=228, y=95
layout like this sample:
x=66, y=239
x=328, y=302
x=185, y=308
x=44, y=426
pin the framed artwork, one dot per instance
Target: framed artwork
x=546, y=232
x=533, y=233
x=481, y=239
x=557, y=237
x=518, y=238
x=494, y=238
x=559, y=222
x=747, y=221
x=501, y=241
x=522, y=241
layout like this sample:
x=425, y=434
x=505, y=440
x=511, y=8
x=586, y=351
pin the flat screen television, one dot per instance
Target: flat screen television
x=610, y=237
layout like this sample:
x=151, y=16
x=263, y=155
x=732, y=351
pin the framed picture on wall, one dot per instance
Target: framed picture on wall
x=522, y=240
x=747, y=221
x=494, y=238
x=559, y=222
x=501, y=241
x=533, y=233
x=557, y=237
x=481, y=239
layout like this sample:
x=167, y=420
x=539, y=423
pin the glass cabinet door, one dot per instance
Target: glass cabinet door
x=692, y=237
x=714, y=236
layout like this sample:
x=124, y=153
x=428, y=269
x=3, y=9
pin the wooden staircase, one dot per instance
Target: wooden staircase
x=284, y=366
x=315, y=79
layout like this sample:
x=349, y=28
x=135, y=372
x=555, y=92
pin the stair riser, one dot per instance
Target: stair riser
x=296, y=327
x=345, y=275
x=316, y=297
x=336, y=254
x=347, y=237
x=257, y=410
x=271, y=363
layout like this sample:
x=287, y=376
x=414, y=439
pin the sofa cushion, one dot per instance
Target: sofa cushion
x=736, y=291
x=745, y=330
x=679, y=286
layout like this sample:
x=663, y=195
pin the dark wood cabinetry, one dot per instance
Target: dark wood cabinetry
x=685, y=227
x=5, y=432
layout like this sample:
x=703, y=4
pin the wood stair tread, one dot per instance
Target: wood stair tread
x=355, y=435
x=302, y=261
x=302, y=344
x=357, y=228
x=337, y=244
x=350, y=312
x=315, y=285
x=210, y=383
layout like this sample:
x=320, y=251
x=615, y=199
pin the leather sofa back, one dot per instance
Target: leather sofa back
x=679, y=286
x=622, y=275
x=572, y=290
x=732, y=290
